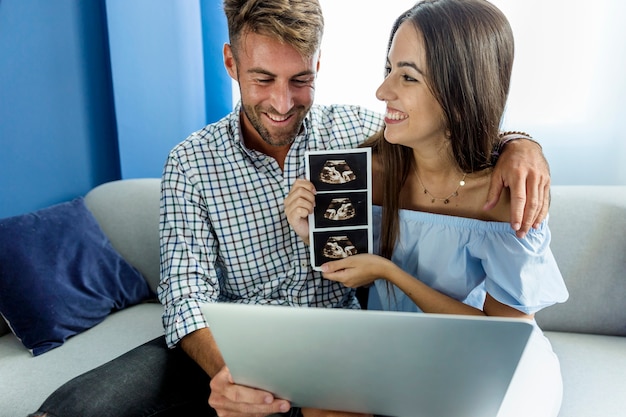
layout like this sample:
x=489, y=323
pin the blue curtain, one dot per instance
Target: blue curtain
x=93, y=91
x=168, y=76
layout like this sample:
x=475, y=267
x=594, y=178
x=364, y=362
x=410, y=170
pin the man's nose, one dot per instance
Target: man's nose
x=282, y=98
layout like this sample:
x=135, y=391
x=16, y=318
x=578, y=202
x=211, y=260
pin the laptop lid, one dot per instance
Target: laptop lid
x=387, y=363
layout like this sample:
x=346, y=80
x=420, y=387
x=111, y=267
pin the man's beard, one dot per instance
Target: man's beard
x=281, y=138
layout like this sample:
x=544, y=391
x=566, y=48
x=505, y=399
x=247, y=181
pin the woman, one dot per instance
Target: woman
x=447, y=79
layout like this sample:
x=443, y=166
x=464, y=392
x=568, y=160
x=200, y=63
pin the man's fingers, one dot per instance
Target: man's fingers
x=537, y=204
x=300, y=197
x=298, y=209
x=519, y=201
x=238, y=400
x=227, y=408
x=530, y=213
x=230, y=399
x=300, y=194
x=495, y=190
x=545, y=206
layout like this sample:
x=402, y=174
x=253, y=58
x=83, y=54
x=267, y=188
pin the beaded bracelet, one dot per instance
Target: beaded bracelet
x=508, y=136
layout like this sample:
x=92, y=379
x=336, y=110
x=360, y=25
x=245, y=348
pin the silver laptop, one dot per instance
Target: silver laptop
x=385, y=363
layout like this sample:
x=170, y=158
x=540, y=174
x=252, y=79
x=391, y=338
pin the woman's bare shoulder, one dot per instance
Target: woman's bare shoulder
x=502, y=211
x=476, y=196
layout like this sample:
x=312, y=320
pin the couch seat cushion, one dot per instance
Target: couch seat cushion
x=26, y=381
x=594, y=373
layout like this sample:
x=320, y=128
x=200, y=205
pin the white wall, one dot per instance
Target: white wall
x=569, y=77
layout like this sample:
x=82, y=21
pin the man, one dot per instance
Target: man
x=224, y=234
x=244, y=252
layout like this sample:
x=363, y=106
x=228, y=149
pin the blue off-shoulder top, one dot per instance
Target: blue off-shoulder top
x=467, y=258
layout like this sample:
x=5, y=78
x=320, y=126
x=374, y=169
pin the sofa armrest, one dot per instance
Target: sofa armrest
x=588, y=225
x=128, y=213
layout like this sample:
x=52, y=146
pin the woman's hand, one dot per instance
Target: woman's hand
x=299, y=203
x=357, y=270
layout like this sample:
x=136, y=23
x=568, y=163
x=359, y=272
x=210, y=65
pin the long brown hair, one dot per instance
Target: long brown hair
x=469, y=58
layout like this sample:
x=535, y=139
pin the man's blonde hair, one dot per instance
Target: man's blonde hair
x=298, y=23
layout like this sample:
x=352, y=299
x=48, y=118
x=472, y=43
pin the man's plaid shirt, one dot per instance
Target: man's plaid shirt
x=224, y=235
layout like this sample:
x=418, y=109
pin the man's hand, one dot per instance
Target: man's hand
x=524, y=170
x=232, y=400
x=227, y=398
x=298, y=205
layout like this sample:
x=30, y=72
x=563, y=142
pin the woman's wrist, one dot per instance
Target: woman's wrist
x=389, y=271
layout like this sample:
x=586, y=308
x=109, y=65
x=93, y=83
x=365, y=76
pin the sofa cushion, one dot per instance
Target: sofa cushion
x=59, y=275
x=26, y=381
x=593, y=373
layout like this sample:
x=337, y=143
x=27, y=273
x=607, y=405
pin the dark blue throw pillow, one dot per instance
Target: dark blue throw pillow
x=59, y=275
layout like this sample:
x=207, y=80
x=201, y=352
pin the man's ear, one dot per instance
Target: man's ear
x=229, y=62
x=319, y=57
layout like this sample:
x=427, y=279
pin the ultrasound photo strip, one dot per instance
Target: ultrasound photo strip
x=340, y=225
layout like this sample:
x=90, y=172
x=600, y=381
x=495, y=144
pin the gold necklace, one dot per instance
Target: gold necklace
x=445, y=200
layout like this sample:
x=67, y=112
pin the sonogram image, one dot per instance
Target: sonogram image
x=340, y=209
x=336, y=172
x=338, y=247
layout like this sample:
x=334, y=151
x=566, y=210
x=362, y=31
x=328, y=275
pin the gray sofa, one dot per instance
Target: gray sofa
x=128, y=212
x=588, y=332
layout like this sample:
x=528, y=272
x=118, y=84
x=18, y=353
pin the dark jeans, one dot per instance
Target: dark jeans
x=150, y=380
